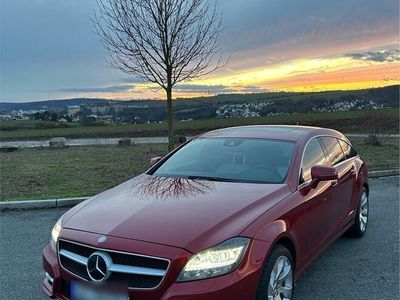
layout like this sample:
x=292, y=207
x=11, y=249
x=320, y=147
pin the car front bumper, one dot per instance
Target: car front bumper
x=240, y=284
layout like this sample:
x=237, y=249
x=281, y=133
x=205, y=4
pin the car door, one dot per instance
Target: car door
x=343, y=190
x=314, y=223
x=350, y=169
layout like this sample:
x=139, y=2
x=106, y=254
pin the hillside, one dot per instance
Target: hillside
x=388, y=95
x=385, y=94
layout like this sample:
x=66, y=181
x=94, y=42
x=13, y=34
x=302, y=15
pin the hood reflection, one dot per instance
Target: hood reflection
x=163, y=188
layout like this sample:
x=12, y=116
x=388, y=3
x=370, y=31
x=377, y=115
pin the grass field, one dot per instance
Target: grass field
x=348, y=121
x=11, y=125
x=83, y=171
x=70, y=172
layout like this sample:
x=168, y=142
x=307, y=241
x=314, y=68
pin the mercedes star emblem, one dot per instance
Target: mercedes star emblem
x=102, y=239
x=98, y=265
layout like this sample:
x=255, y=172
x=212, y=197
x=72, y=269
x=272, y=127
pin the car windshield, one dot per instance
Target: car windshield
x=230, y=159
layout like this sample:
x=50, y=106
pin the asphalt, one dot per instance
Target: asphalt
x=366, y=268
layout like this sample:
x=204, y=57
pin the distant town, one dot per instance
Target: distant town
x=102, y=111
x=107, y=114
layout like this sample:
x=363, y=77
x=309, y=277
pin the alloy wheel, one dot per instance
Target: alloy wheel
x=363, y=215
x=281, y=280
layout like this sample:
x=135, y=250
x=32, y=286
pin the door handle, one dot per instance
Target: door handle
x=334, y=182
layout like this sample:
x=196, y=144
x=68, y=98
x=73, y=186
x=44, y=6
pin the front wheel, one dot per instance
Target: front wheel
x=277, y=278
x=362, y=215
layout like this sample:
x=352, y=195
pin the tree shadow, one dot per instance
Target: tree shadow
x=165, y=188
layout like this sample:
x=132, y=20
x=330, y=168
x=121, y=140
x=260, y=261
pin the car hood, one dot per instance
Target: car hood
x=189, y=214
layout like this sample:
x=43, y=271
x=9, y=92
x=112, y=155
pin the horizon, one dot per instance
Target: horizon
x=202, y=96
x=195, y=97
x=345, y=45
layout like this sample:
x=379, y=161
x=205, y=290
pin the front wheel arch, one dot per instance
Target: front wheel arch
x=287, y=243
x=366, y=186
x=276, y=251
x=277, y=233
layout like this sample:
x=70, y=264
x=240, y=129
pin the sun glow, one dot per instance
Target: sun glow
x=289, y=76
x=313, y=74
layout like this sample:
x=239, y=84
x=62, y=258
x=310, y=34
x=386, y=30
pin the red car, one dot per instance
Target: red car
x=236, y=213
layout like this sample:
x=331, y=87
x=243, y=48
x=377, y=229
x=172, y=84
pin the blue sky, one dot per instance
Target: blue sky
x=49, y=50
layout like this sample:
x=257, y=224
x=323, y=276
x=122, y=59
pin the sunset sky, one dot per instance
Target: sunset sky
x=49, y=50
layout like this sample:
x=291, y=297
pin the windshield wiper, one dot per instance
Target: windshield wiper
x=221, y=179
x=210, y=178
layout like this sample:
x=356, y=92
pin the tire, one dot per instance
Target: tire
x=362, y=216
x=283, y=289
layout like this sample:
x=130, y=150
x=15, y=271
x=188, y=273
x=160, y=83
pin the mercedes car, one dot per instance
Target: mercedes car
x=235, y=213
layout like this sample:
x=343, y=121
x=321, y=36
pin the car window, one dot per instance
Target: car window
x=313, y=155
x=233, y=159
x=348, y=150
x=333, y=149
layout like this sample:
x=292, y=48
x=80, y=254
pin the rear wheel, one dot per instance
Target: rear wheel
x=277, y=280
x=362, y=215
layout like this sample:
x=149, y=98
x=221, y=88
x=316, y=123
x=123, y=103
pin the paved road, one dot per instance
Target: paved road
x=350, y=269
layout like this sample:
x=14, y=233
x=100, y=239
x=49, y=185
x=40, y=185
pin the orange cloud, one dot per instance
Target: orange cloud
x=352, y=78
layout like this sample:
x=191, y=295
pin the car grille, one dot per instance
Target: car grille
x=129, y=269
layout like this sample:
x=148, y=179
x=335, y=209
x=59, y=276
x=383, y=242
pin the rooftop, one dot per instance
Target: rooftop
x=284, y=132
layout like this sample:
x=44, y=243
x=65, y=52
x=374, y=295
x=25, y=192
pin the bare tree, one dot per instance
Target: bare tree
x=377, y=124
x=161, y=41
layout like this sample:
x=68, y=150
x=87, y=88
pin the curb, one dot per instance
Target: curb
x=36, y=204
x=69, y=202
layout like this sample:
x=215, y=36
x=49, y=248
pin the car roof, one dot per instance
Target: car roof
x=279, y=132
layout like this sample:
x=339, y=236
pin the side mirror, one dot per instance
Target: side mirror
x=322, y=173
x=155, y=160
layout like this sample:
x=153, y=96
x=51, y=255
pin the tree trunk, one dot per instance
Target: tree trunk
x=170, y=119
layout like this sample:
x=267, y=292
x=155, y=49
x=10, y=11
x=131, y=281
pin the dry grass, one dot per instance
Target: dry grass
x=83, y=171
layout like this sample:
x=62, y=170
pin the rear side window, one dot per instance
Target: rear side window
x=333, y=149
x=348, y=150
x=313, y=155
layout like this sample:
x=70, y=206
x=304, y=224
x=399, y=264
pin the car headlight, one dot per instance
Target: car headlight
x=55, y=233
x=215, y=261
